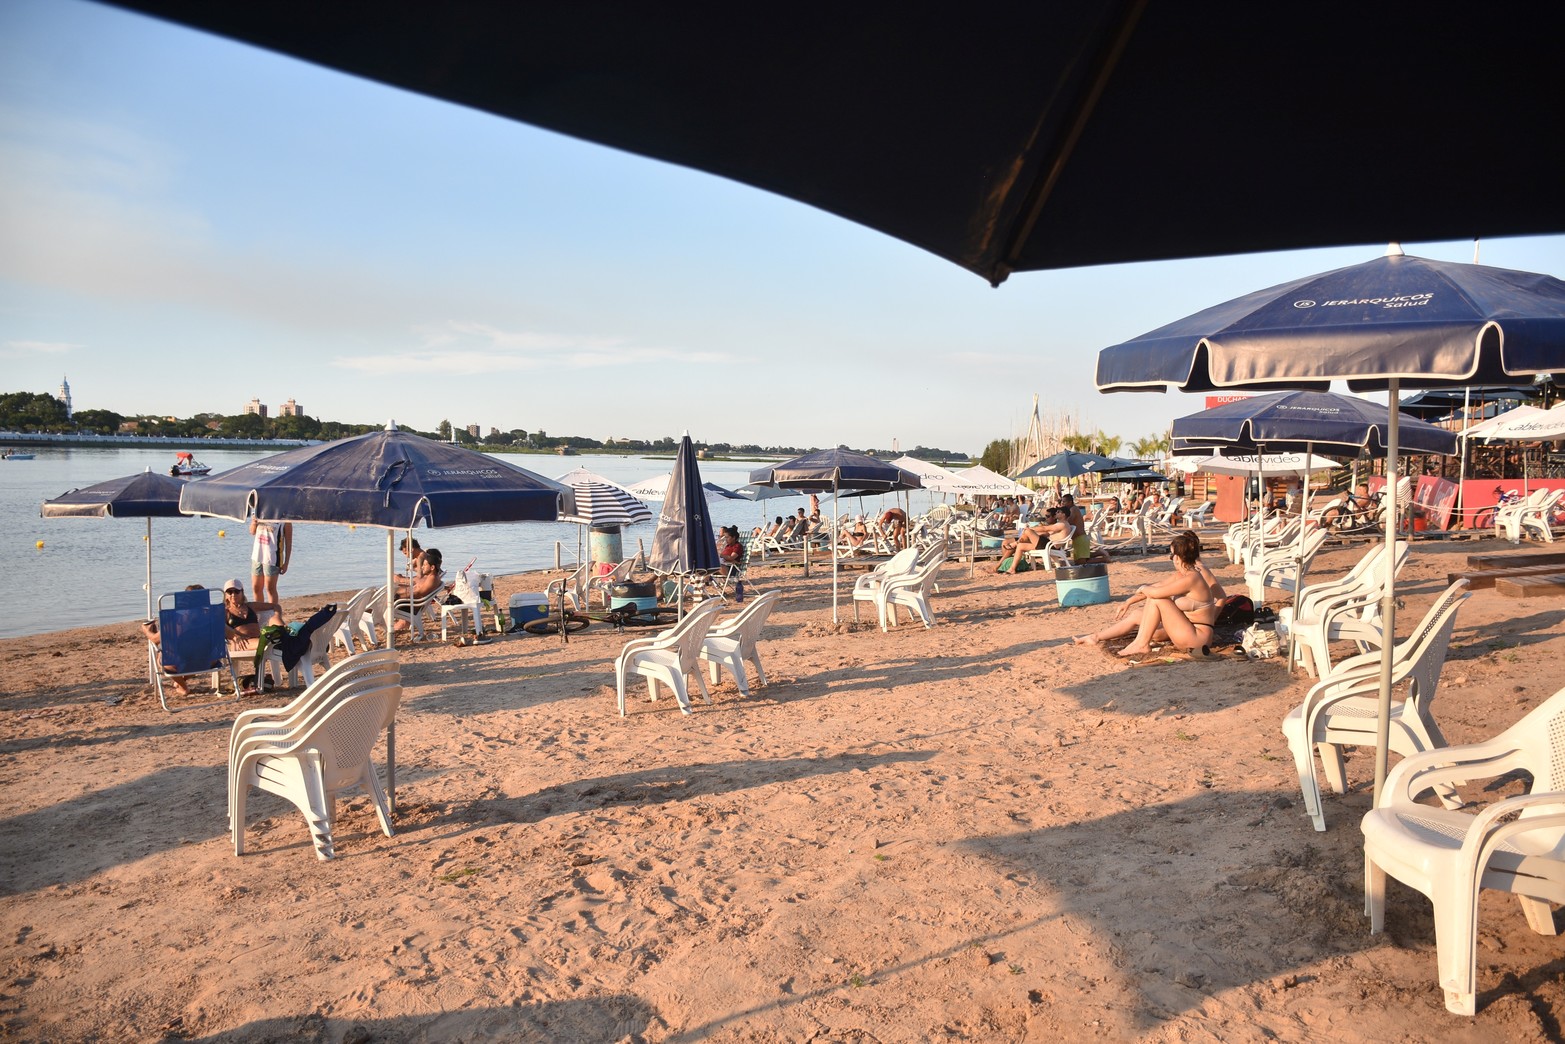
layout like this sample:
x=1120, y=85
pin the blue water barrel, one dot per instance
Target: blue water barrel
x=606, y=545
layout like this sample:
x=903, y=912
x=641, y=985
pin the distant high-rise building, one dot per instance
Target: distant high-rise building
x=289, y=409
x=473, y=430
x=65, y=396
x=257, y=407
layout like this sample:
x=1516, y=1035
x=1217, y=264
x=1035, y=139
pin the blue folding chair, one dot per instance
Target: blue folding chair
x=192, y=642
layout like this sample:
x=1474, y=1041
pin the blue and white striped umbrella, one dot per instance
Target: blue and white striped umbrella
x=601, y=503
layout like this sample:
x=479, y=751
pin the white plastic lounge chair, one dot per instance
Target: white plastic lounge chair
x=319, y=653
x=575, y=588
x=313, y=764
x=1201, y=516
x=192, y=643
x=668, y=657
x=369, y=622
x=731, y=643
x=1342, y=709
x=1450, y=855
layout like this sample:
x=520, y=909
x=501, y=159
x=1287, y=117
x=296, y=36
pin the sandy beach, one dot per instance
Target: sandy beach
x=976, y=832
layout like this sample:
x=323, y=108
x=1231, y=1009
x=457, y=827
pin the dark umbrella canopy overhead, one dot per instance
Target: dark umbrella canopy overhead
x=1022, y=139
x=684, y=540
x=1308, y=421
x=390, y=479
x=1397, y=318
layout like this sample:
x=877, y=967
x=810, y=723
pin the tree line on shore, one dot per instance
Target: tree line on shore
x=38, y=412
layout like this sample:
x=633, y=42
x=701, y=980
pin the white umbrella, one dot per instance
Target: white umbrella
x=1524, y=423
x=1298, y=464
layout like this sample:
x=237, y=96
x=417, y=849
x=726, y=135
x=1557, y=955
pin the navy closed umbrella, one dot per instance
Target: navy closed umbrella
x=839, y=472
x=684, y=540
x=1388, y=322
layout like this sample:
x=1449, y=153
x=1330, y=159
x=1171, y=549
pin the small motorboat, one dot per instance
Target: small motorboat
x=187, y=466
x=14, y=455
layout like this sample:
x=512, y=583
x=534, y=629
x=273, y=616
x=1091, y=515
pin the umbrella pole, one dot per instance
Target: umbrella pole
x=149, y=567
x=391, y=584
x=152, y=667
x=1388, y=607
x=1298, y=572
x=1461, y=461
x=836, y=514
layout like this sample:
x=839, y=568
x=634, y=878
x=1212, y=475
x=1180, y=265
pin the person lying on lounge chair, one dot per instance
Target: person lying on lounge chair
x=1182, y=609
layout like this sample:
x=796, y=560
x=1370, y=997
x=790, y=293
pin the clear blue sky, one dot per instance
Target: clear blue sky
x=186, y=223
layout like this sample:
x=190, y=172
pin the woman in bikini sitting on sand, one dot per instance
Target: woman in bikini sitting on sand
x=1181, y=609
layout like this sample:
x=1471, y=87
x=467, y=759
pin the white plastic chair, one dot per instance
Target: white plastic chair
x=368, y=622
x=346, y=634
x=1326, y=611
x=1450, y=855
x=910, y=591
x=867, y=586
x=1506, y=516
x=668, y=657
x=261, y=726
x=1536, y=518
x=1279, y=567
x=417, y=610
x=314, y=764
x=1342, y=709
x=731, y=643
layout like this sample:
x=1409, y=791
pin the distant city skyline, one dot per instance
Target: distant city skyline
x=185, y=215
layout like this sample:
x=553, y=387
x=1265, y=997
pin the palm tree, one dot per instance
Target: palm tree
x=1077, y=443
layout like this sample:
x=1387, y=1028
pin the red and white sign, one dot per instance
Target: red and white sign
x=1218, y=400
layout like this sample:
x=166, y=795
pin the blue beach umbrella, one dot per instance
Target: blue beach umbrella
x=387, y=479
x=146, y=495
x=1389, y=322
x=1072, y=464
x=840, y=472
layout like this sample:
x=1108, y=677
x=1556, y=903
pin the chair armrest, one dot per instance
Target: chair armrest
x=1417, y=773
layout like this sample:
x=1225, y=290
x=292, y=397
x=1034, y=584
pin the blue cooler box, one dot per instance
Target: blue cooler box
x=1082, y=584
x=527, y=607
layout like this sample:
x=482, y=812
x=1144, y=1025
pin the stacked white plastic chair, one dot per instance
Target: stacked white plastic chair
x=1347, y=609
x=347, y=635
x=668, y=657
x=729, y=644
x=1342, y=709
x=1535, y=518
x=1279, y=566
x=319, y=746
x=910, y=591
x=867, y=586
x=1507, y=516
x=1513, y=845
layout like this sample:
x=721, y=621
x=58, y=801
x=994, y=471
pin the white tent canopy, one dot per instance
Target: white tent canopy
x=1524, y=423
x=1254, y=464
x=978, y=481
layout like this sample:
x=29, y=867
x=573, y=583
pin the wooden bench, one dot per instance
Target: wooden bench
x=1480, y=579
x=1512, y=559
x=1543, y=585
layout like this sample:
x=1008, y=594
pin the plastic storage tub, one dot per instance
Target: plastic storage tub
x=1082, y=584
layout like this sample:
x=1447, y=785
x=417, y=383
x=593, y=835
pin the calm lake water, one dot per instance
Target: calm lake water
x=92, y=570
